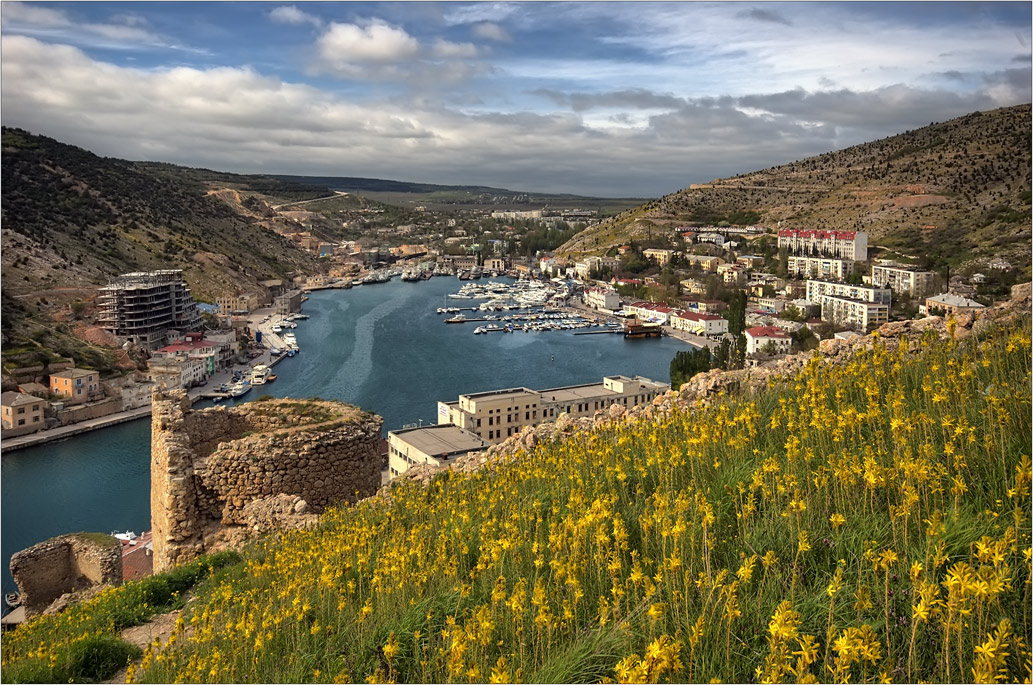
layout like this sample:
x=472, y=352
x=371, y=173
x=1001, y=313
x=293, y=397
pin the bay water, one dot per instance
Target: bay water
x=382, y=347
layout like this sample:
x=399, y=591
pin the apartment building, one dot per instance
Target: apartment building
x=602, y=298
x=852, y=245
x=660, y=256
x=824, y=268
x=750, y=261
x=732, y=274
x=499, y=414
x=864, y=293
x=705, y=262
x=429, y=445
x=143, y=307
x=862, y=315
x=903, y=279
x=76, y=386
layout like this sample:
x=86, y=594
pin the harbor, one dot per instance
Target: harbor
x=383, y=348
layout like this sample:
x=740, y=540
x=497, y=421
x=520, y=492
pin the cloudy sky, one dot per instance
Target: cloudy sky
x=608, y=99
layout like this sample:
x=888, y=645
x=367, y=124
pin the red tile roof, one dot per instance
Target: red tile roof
x=766, y=332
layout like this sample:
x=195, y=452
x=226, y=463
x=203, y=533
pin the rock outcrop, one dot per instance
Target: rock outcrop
x=220, y=475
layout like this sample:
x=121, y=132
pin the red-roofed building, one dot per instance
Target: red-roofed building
x=759, y=336
x=699, y=324
x=650, y=311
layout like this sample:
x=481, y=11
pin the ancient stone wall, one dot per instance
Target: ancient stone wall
x=208, y=466
x=70, y=563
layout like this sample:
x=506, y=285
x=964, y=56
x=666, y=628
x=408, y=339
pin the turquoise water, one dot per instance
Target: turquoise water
x=381, y=347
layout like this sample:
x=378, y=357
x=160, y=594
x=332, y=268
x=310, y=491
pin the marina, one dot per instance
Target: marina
x=383, y=348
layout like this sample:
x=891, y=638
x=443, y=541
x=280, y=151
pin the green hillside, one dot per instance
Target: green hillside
x=950, y=192
x=861, y=521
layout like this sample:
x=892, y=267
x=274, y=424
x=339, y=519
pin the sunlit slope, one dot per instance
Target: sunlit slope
x=864, y=521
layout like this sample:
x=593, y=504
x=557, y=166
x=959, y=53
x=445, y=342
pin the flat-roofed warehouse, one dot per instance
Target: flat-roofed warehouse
x=435, y=444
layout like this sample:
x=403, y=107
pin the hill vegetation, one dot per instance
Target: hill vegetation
x=944, y=194
x=861, y=521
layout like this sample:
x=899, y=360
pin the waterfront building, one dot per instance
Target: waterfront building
x=825, y=268
x=651, y=312
x=499, y=414
x=602, y=298
x=143, y=307
x=76, y=386
x=903, y=279
x=760, y=336
x=864, y=293
x=21, y=413
x=288, y=303
x=237, y=304
x=851, y=245
x=949, y=303
x=435, y=444
x=176, y=372
x=699, y=324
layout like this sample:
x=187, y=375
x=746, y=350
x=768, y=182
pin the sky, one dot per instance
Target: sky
x=603, y=99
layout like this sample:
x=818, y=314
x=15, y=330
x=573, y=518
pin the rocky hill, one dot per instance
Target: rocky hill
x=952, y=191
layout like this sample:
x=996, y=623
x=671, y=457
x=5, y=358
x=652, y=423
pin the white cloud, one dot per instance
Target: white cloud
x=290, y=14
x=489, y=30
x=448, y=50
x=121, y=32
x=626, y=142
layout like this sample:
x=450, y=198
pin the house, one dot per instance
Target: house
x=750, y=261
x=76, y=386
x=21, y=413
x=732, y=274
x=759, y=337
x=949, y=303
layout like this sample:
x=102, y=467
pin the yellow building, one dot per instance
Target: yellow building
x=428, y=445
x=231, y=304
x=22, y=413
x=661, y=257
x=75, y=385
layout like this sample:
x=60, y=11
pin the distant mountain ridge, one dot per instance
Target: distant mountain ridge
x=949, y=192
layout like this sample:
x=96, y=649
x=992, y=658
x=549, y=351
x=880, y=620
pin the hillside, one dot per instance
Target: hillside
x=952, y=191
x=864, y=518
x=72, y=220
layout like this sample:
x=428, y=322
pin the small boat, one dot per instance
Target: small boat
x=277, y=328
x=127, y=536
x=260, y=374
x=271, y=378
x=458, y=318
x=240, y=389
x=13, y=599
x=291, y=352
x=274, y=351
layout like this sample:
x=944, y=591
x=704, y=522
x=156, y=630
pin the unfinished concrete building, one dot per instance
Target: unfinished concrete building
x=143, y=307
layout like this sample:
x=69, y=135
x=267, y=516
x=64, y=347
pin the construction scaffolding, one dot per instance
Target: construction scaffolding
x=142, y=307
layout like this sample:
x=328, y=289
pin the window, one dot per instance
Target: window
x=21, y=410
x=35, y=419
x=527, y=416
x=21, y=422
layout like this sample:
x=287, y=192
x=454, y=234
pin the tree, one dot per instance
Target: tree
x=722, y=355
x=736, y=313
x=687, y=364
x=803, y=339
x=855, y=278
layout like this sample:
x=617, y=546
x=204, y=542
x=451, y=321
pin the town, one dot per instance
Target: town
x=763, y=292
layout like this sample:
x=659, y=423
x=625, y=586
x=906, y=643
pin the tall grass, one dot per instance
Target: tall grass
x=862, y=522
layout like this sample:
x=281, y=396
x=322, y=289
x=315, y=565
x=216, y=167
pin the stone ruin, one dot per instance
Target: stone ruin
x=64, y=565
x=220, y=475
